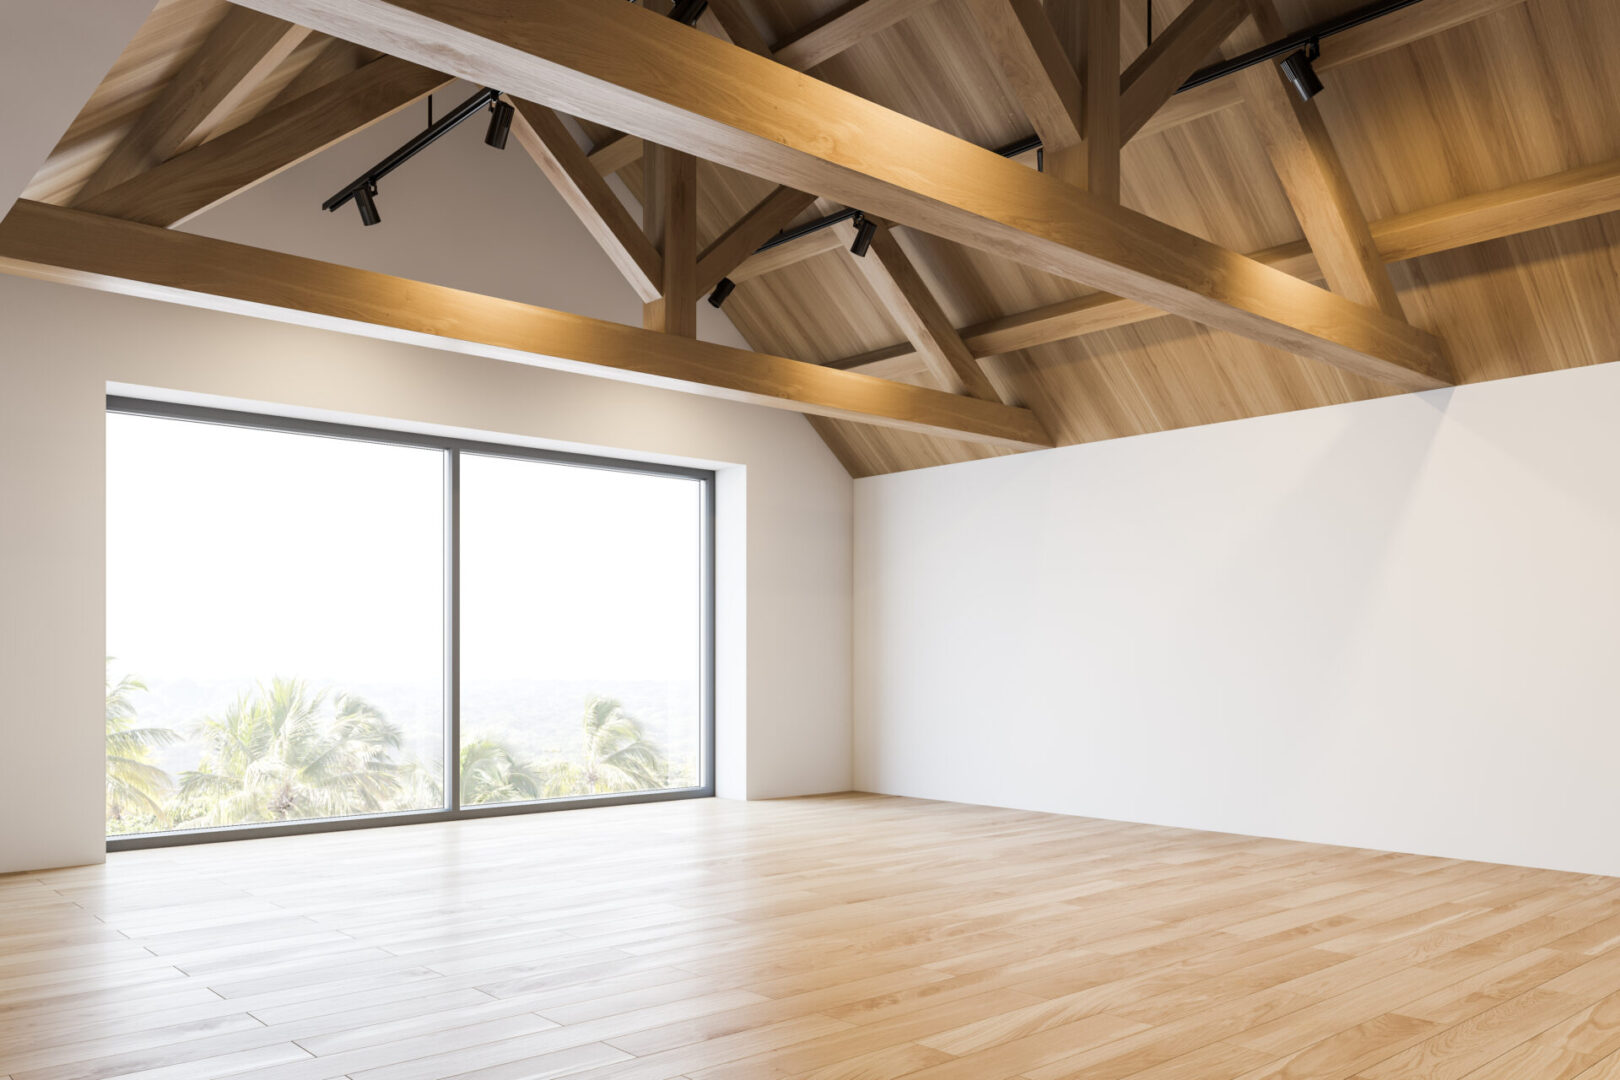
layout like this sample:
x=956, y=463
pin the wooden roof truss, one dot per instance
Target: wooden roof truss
x=668, y=96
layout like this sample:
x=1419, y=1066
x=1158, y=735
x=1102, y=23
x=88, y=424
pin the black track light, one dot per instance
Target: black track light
x=363, y=190
x=1299, y=72
x=865, y=229
x=366, y=199
x=500, y=124
x=722, y=290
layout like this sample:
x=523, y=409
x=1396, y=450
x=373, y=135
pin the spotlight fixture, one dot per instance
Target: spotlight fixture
x=500, y=124
x=721, y=291
x=363, y=189
x=865, y=229
x=1299, y=72
x=366, y=199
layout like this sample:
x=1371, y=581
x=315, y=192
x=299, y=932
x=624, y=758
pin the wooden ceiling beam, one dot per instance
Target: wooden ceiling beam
x=1076, y=118
x=72, y=247
x=542, y=133
x=1153, y=77
x=1195, y=104
x=1306, y=161
x=789, y=254
x=898, y=286
x=1404, y=27
x=618, y=150
x=185, y=186
x=801, y=50
x=1535, y=204
x=889, y=273
x=740, y=242
x=1025, y=46
x=332, y=61
x=1371, y=39
x=995, y=337
x=669, y=215
x=679, y=85
x=1104, y=99
x=1149, y=102
x=229, y=65
x=839, y=30
x=615, y=152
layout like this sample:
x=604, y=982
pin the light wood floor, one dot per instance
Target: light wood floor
x=846, y=938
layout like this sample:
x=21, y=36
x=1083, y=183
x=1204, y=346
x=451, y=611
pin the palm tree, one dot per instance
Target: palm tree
x=136, y=788
x=421, y=785
x=619, y=755
x=492, y=773
x=281, y=754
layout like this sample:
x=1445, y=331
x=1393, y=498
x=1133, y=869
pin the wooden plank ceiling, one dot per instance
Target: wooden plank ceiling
x=1468, y=144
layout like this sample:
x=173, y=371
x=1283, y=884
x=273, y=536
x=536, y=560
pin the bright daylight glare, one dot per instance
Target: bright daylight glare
x=276, y=630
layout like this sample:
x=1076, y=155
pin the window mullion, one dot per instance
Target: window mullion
x=452, y=630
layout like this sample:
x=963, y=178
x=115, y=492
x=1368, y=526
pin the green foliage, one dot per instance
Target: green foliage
x=284, y=753
x=492, y=773
x=137, y=790
x=619, y=755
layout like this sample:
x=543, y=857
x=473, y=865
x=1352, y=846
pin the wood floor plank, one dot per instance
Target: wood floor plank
x=857, y=1041
x=837, y=938
x=1607, y=1069
x=1459, y=1049
x=1563, y=1051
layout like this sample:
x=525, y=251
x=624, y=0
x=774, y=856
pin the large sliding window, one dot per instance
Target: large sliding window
x=579, y=645
x=315, y=626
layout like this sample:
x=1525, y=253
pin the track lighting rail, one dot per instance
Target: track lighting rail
x=364, y=188
x=1300, y=39
x=806, y=229
x=864, y=228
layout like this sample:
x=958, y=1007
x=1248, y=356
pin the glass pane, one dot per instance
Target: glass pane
x=581, y=630
x=274, y=626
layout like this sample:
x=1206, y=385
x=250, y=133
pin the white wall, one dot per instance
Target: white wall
x=465, y=216
x=1391, y=624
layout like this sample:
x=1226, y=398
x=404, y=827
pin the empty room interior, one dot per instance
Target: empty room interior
x=810, y=540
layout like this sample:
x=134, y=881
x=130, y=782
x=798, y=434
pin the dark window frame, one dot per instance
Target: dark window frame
x=453, y=448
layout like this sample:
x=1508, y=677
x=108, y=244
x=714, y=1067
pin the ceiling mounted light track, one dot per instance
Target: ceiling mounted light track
x=788, y=235
x=1308, y=39
x=363, y=190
